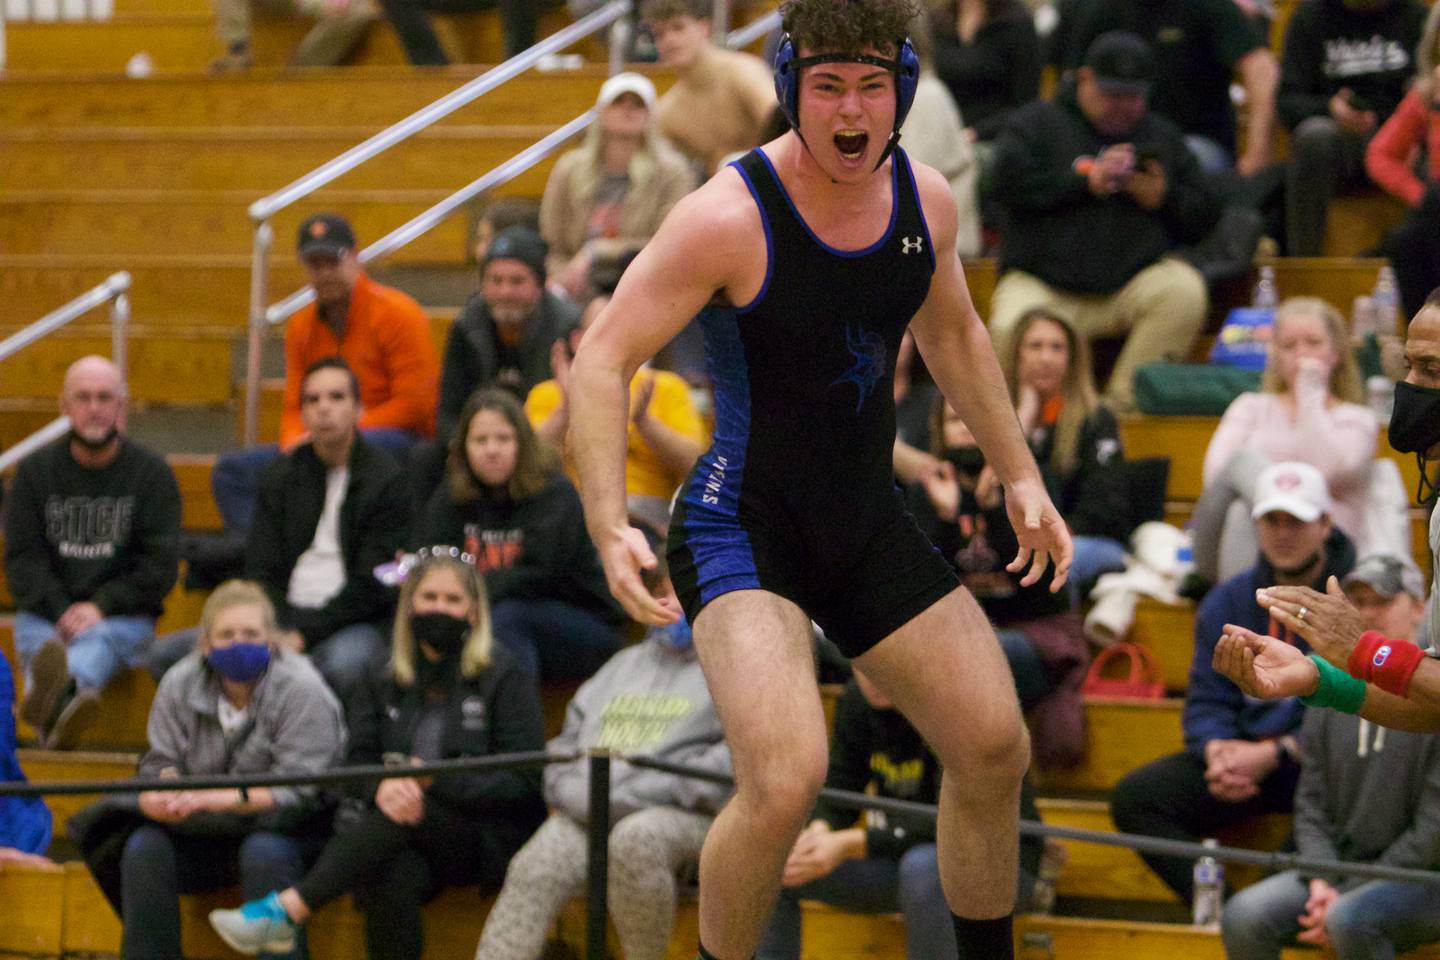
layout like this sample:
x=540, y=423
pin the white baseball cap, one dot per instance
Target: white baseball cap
x=1294, y=488
x=623, y=83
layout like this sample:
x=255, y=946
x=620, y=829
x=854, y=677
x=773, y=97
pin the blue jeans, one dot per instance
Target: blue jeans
x=95, y=655
x=235, y=479
x=910, y=885
x=1373, y=921
x=348, y=656
x=158, y=865
x=553, y=639
x=1211, y=157
x=1094, y=556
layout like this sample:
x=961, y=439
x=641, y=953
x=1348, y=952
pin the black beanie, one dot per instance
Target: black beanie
x=519, y=243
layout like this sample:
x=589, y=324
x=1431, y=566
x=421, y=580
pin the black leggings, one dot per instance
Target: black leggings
x=393, y=870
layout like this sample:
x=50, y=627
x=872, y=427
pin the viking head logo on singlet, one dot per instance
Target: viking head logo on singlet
x=868, y=350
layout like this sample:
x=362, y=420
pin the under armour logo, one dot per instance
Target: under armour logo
x=912, y=244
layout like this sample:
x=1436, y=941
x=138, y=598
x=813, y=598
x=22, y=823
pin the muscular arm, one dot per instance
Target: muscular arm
x=710, y=237
x=959, y=355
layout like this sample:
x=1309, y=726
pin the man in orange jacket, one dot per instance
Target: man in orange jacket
x=380, y=332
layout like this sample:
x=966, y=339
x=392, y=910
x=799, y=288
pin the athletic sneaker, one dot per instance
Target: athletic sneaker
x=76, y=716
x=260, y=926
x=49, y=680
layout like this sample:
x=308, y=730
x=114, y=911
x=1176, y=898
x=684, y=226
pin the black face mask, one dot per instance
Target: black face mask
x=966, y=460
x=1415, y=427
x=444, y=634
x=93, y=445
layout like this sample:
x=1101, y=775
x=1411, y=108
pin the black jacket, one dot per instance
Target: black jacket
x=474, y=355
x=1329, y=46
x=997, y=72
x=109, y=536
x=1057, y=230
x=531, y=549
x=1092, y=497
x=374, y=524
x=496, y=712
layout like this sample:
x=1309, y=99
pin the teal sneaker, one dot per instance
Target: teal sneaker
x=260, y=926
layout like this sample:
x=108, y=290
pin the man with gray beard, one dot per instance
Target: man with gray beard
x=503, y=336
x=91, y=541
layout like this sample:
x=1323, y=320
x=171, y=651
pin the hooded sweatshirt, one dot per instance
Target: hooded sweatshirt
x=1329, y=46
x=1367, y=794
x=651, y=699
x=1215, y=709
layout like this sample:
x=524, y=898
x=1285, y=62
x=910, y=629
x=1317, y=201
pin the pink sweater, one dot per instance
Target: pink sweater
x=1339, y=441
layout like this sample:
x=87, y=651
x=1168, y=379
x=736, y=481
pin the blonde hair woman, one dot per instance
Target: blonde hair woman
x=1307, y=410
x=238, y=704
x=448, y=692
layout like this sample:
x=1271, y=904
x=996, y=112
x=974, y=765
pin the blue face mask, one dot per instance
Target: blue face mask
x=241, y=662
x=677, y=635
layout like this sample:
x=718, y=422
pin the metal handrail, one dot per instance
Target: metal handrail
x=278, y=312
x=263, y=209
x=114, y=291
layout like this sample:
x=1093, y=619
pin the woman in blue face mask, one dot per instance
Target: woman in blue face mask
x=236, y=705
x=448, y=692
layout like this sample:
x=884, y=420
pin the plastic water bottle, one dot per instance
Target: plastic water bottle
x=1267, y=295
x=1209, y=889
x=1386, y=299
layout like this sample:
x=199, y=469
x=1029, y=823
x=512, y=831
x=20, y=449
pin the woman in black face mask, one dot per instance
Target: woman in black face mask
x=448, y=692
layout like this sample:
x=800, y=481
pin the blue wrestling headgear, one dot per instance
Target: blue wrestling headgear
x=905, y=67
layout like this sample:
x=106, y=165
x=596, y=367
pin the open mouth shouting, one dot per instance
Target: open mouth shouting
x=851, y=144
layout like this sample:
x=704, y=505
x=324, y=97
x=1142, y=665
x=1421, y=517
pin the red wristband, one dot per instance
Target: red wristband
x=1389, y=664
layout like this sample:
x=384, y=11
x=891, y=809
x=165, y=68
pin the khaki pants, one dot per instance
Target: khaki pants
x=1162, y=308
x=327, y=43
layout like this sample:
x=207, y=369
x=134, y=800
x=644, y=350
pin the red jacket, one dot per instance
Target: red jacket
x=387, y=343
x=1390, y=157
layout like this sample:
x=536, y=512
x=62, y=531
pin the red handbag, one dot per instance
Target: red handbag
x=1108, y=676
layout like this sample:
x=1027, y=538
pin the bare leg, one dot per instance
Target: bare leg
x=947, y=674
x=755, y=648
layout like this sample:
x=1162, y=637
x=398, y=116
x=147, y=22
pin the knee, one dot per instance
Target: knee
x=528, y=869
x=1242, y=921
x=1130, y=802
x=1315, y=136
x=633, y=841
x=779, y=791
x=147, y=850
x=989, y=756
x=919, y=875
x=1349, y=925
x=267, y=852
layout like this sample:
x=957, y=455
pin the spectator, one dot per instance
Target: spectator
x=666, y=435
x=339, y=28
x=607, y=198
x=240, y=705
x=1308, y=410
x=960, y=506
x=329, y=512
x=503, y=336
x=1366, y=794
x=1344, y=71
x=519, y=19
x=1098, y=192
x=1075, y=439
x=1413, y=130
x=91, y=546
x=447, y=693
x=1240, y=756
x=649, y=699
x=25, y=824
x=935, y=136
x=888, y=864
x=721, y=98
x=988, y=57
x=380, y=332
x=1201, y=47
x=506, y=502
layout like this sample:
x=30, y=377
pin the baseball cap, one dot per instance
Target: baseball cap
x=325, y=233
x=623, y=83
x=1387, y=575
x=1122, y=62
x=522, y=244
x=1294, y=488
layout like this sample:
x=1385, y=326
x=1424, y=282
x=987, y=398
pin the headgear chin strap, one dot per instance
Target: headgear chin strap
x=905, y=67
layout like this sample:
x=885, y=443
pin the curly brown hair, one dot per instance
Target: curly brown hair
x=658, y=11
x=847, y=26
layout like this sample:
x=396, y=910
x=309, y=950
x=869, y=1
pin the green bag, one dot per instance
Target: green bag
x=1191, y=389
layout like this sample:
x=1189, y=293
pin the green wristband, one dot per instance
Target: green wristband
x=1338, y=690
